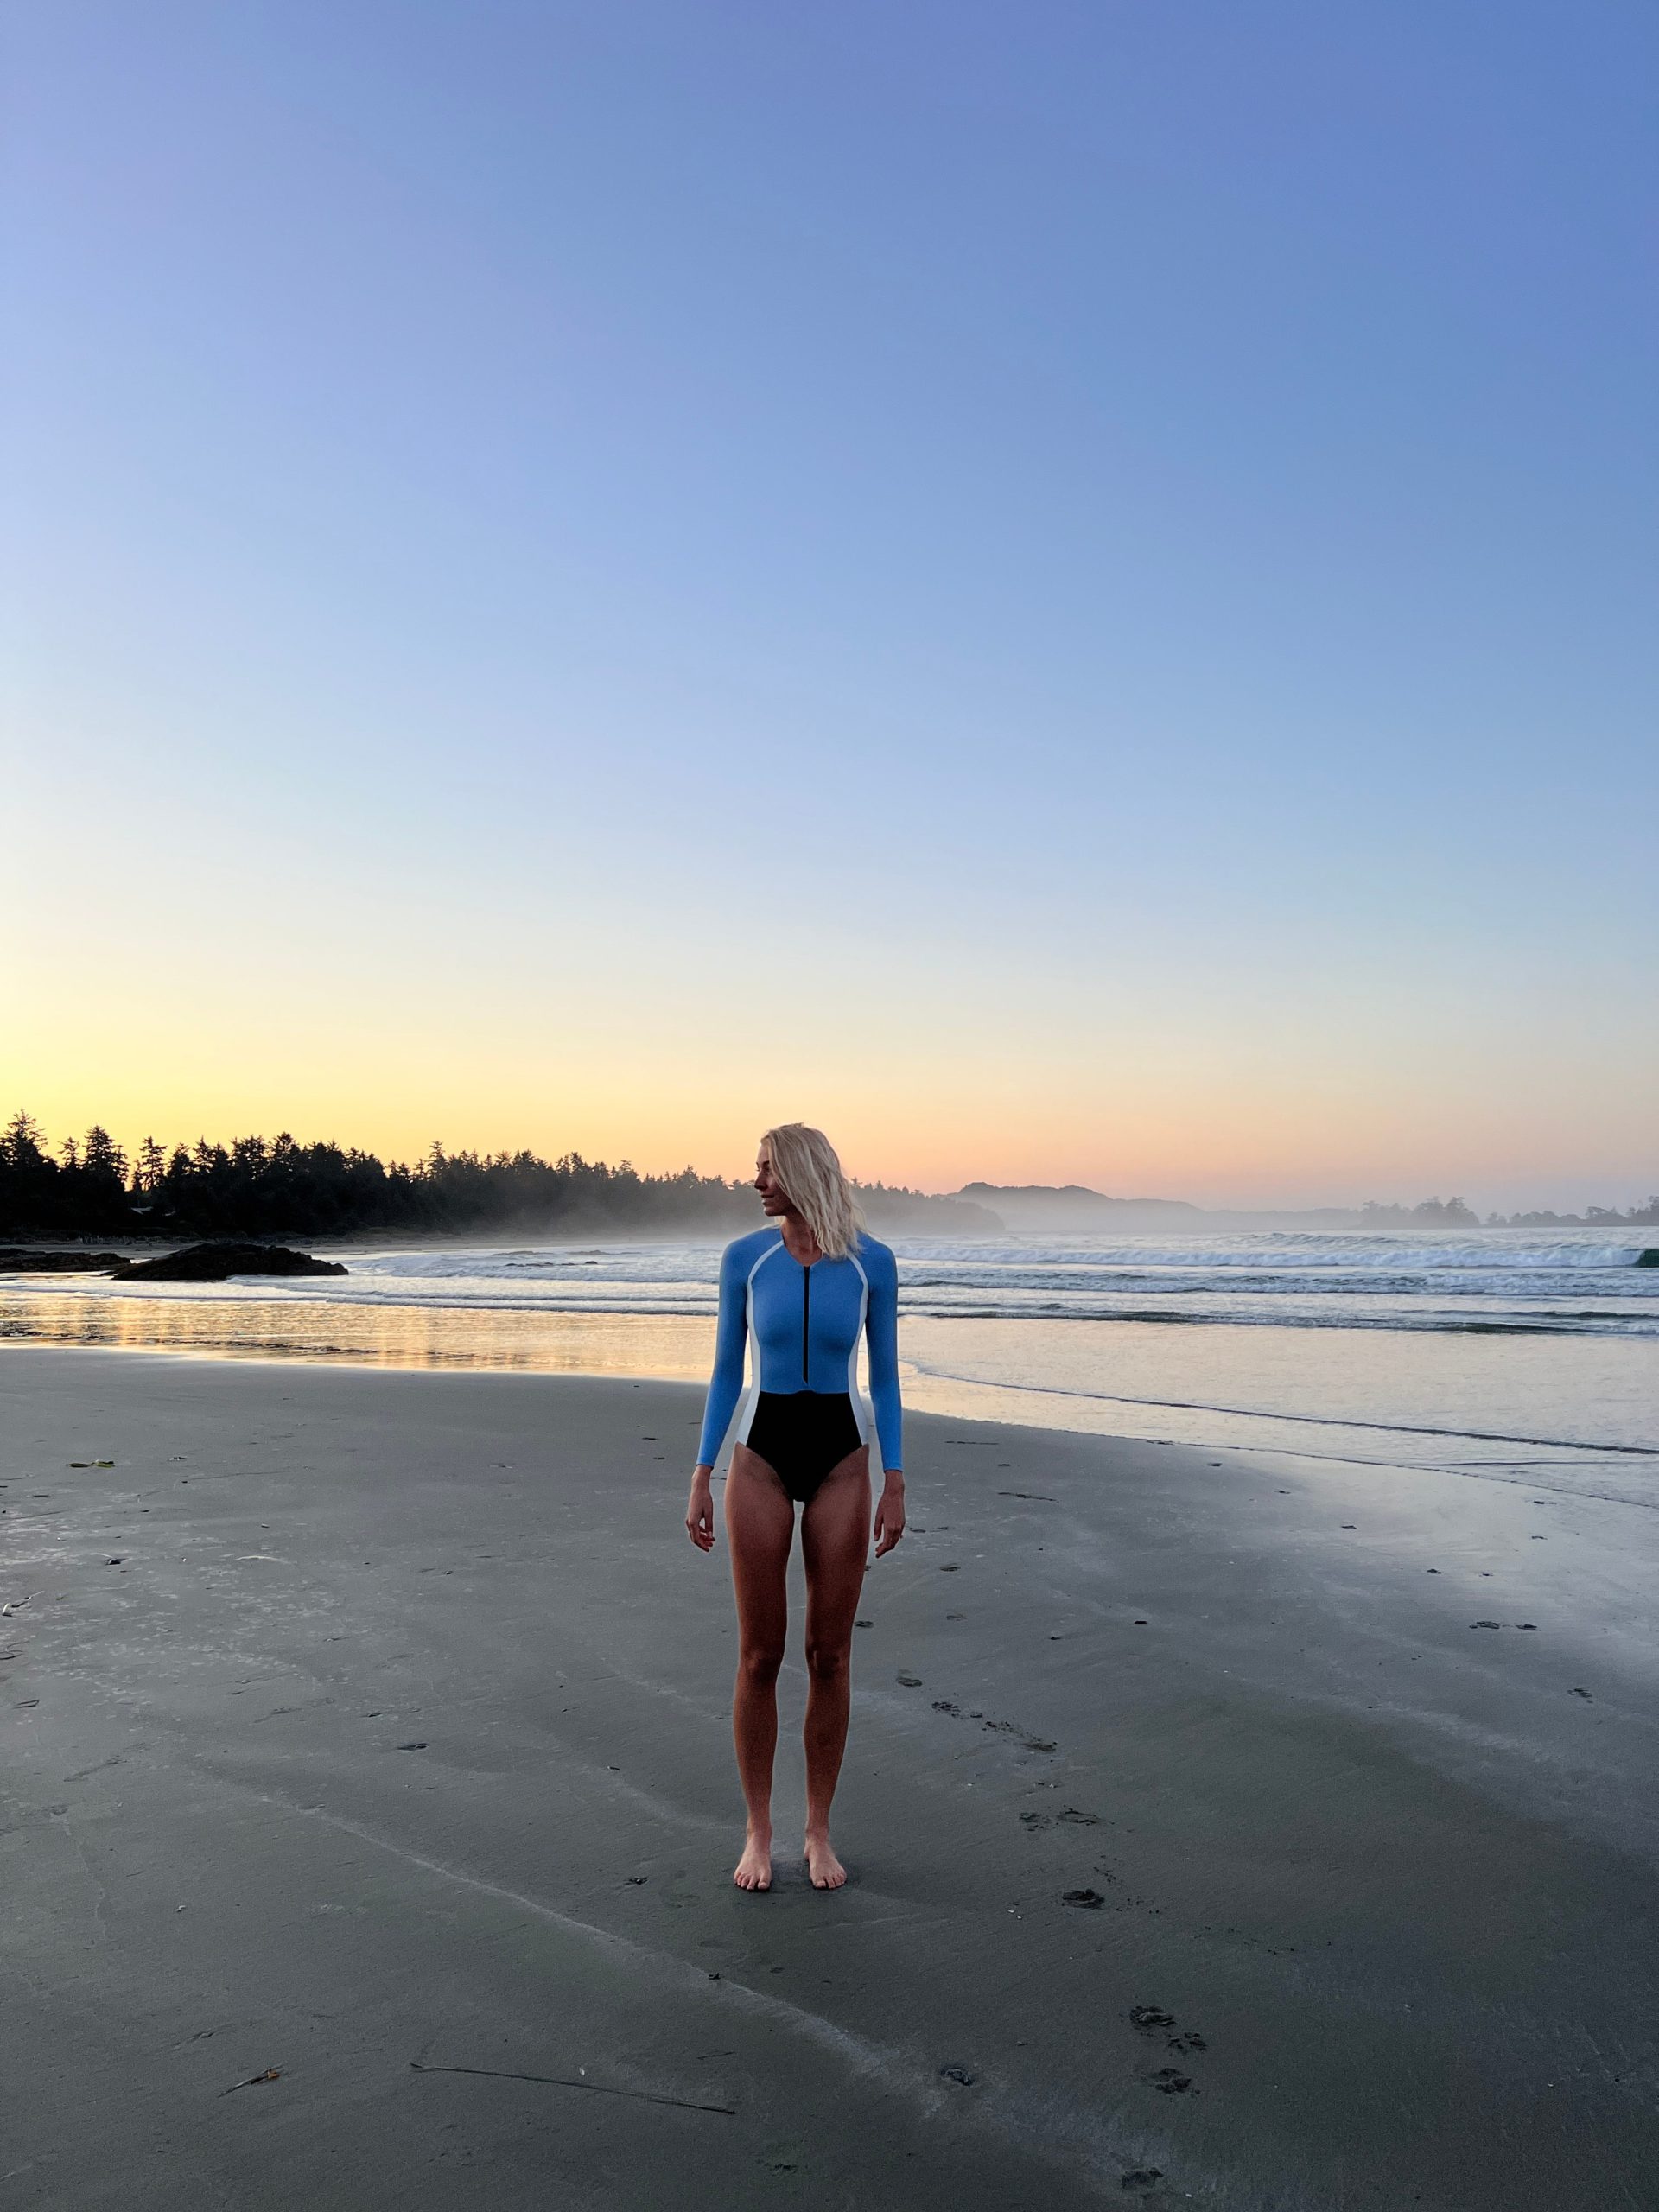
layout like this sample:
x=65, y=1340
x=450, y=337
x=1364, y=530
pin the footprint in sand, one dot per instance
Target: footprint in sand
x=1031, y=1743
x=1171, y=2080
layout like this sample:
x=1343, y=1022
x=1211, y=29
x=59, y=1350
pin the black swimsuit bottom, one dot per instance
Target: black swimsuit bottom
x=802, y=1436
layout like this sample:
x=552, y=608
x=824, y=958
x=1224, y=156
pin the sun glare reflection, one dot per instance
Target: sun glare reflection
x=673, y=1346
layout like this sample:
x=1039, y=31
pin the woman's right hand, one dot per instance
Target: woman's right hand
x=700, y=1509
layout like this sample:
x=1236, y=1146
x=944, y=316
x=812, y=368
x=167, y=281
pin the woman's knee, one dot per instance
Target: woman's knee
x=826, y=1662
x=758, y=1663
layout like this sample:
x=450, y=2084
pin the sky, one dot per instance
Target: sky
x=1064, y=592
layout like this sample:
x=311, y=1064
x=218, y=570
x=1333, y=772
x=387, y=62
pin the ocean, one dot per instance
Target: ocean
x=1523, y=1356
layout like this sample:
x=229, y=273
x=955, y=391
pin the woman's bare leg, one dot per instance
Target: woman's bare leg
x=759, y=1528
x=835, y=1542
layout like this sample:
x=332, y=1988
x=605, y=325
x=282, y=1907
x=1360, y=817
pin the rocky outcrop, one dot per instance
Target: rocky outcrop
x=217, y=1262
x=1072, y=1208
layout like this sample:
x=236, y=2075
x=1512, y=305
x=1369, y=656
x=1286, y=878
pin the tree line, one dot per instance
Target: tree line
x=1458, y=1213
x=275, y=1186
x=260, y=1186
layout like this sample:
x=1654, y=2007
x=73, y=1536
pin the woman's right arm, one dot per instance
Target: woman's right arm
x=731, y=1334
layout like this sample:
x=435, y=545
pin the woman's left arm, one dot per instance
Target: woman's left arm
x=881, y=1332
x=731, y=1336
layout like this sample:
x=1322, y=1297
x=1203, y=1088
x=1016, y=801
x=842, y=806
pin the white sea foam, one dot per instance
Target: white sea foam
x=1397, y=1253
x=1330, y=1277
x=1571, y=1282
x=1503, y=1251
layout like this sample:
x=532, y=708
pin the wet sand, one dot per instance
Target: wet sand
x=360, y=1727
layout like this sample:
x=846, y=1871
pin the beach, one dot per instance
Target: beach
x=371, y=1816
x=1060, y=596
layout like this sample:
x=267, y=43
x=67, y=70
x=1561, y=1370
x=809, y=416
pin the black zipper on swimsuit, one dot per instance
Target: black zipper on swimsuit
x=806, y=1310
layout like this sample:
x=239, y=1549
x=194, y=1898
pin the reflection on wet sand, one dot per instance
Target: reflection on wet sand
x=1362, y=1397
x=669, y=1346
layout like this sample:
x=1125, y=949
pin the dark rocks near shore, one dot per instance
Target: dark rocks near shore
x=217, y=1262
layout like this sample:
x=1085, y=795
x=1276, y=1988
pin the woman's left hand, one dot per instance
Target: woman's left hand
x=890, y=1512
x=700, y=1509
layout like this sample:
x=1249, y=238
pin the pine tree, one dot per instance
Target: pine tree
x=24, y=1144
x=101, y=1155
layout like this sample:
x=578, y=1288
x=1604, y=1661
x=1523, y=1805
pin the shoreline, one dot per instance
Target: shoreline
x=1575, y=1412
x=1390, y=1869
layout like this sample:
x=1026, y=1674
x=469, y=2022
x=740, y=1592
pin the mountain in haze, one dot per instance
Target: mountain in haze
x=1047, y=1205
x=1073, y=1209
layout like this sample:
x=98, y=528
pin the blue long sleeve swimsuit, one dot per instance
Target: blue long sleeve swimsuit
x=804, y=1324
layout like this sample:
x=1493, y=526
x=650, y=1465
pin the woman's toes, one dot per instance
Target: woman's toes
x=754, y=1867
x=822, y=1864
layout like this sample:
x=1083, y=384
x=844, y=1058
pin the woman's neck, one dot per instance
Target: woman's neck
x=799, y=1241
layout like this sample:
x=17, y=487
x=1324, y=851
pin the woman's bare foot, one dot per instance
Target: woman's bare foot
x=754, y=1867
x=822, y=1864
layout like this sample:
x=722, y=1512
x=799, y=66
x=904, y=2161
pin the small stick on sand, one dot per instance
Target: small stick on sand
x=563, y=2081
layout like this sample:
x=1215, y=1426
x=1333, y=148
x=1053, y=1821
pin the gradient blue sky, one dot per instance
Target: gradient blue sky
x=1066, y=591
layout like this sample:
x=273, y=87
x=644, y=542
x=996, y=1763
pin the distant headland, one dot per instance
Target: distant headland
x=1072, y=1208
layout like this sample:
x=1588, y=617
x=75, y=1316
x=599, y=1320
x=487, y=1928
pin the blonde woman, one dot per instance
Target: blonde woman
x=802, y=1292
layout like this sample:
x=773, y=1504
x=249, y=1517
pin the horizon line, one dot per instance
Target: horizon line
x=437, y=1149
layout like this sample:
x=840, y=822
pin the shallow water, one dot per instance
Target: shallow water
x=1573, y=1282
x=1509, y=1356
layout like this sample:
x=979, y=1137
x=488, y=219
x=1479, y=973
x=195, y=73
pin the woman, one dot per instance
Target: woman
x=803, y=1292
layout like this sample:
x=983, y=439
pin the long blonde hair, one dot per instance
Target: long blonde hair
x=804, y=1161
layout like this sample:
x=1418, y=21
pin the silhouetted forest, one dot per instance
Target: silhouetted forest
x=260, y=1186
x=1455, y=1213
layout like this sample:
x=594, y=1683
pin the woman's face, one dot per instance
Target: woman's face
x=771, y=1191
